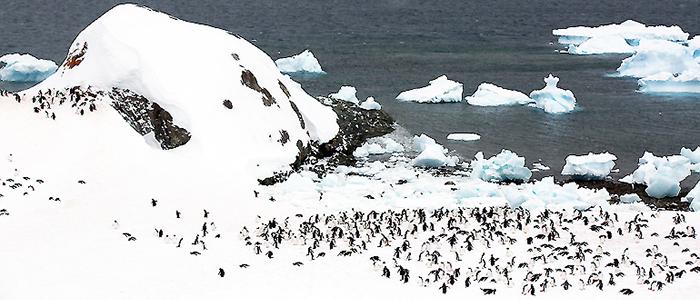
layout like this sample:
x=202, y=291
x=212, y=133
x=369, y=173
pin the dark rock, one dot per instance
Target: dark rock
x=357, y=125
x=249, y=80
x=145, y=116
x=228, y=104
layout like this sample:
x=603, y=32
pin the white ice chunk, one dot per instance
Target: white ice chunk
x=25, y=68
x=440, y=89
x=590, y=167
x=602, y=45
x=346, y=93
x=686, y=82
x=431, y=154
x=391, y=146
x=654, y=57
x=370, y=104
x=304, y=62
x=553, y=99
x=630, y=198
x=463, y=137
x=630, y=30
x=488, y=94
x=661, y=175
x=504, y=166
x=694, y=197
x=692, y=155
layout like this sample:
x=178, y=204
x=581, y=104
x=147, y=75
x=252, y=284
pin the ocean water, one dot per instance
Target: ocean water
x=386, y=47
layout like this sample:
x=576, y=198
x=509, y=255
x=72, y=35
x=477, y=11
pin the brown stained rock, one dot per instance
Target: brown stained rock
x=249, y=80
x=284, y=89
x=74, y=59
x=296, y=111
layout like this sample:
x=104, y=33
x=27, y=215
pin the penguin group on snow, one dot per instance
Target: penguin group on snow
x=78, y=98
x=495, y=247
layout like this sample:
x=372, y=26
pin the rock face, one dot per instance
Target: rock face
x=145, y=117
x=357, y=125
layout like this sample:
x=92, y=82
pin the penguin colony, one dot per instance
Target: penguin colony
x=81, y=100
x=495, y=248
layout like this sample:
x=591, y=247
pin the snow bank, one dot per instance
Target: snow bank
x=25, y=68
x=589, y=167
x=501, y=167
x=602, y=45
x=553, y=99
x=304, y=62
x=661, y=175
x=463, y=137
x=628, y=30
x=488, y=94
x=370, y=104
x=440, y=89
x=431, y=154
x=346, y=93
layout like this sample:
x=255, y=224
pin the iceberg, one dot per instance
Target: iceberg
x=654, y=56
x=694, y=197
x=589, y=167
x=692, y=155
x=665, y=82
x=346, y=93
x=602, y=45
x=370, y=104
x=630, y=198
x=553, y=99
x=488, y=94
x=661, y=175
x=501, y=167
x=463, y=137
x=628, y=30
x=25, y=68
x=304, y=62
x=440, y=89
x=431, y=154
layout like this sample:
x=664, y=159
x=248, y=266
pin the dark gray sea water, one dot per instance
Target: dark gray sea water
x=384, y=47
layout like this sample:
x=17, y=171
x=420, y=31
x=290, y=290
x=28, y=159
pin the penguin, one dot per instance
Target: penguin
x=221, y=272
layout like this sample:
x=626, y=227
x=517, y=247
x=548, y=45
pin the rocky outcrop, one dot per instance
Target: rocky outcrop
x=357, y=125
x=146, y=116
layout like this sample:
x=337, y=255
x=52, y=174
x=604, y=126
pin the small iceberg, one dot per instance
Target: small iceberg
x=661, y=175
x=346, y=93
x=602, y=45
x=488, y=94
x=463, y=137
x=431, y=154
x=505, y=166
x=665, y=82
x=370, y=104
x=629, y=30
x=440, y=89
x=304, y=62
x=654, y=57
x=589, y=167
x=553, y=99
x=25, y=68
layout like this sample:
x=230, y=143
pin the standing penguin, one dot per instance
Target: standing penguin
x=221, y=272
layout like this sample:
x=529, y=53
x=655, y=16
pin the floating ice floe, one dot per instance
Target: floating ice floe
x=370, y=103
x=629, y=30
x=379, y=145
x=685, y=82
x=346, y=93
x=488, y=94
x=692, y=155
x=589, y=167
x=602, y=45
x=431, y=154
x=304, y=62
x=654, y=57
x=553, y=99
x=25, y=68
x=440, y=89
x=661, y=175
x=501, y=167
x=463, y=137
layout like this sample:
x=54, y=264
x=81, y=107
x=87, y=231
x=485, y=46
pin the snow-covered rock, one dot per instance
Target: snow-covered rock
x=488, y=94
x=628, y=30
x=117, y=62
x=25, y=68
x=304, y=62
x=440, y=89
x=590, y=167
x=661, y=175
x=658, y=56
x=370, y=103
x=463, y=137
x=504, y=166
x=553, y=99
x=602, y=45
x=431, y=154
x=346, y=93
